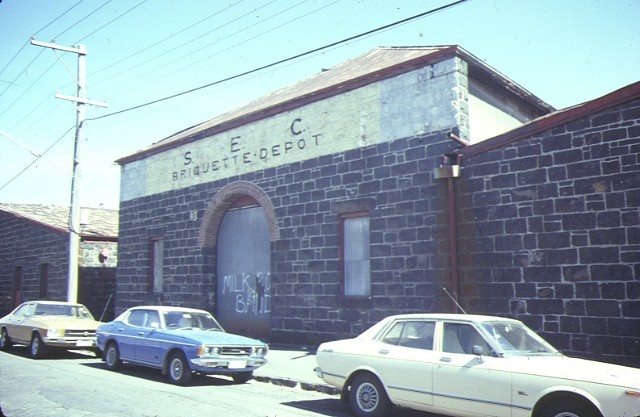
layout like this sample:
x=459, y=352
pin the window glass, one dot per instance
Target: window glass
x=137, y=317
x=157, y=263
x=461, y=338
x=44, y=280
x=356, y=263
x=20, y=311
x=413, y=334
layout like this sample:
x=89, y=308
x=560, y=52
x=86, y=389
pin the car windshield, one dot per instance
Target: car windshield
x=517, y=339
x=77, y=311
x=190, y=320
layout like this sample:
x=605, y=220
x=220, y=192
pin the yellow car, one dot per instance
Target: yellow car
x=44, y=325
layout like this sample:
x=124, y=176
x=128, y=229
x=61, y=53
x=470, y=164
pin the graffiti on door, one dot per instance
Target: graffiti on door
x=249, y=293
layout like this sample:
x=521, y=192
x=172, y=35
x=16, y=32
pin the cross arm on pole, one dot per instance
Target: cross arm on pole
x=80, y=50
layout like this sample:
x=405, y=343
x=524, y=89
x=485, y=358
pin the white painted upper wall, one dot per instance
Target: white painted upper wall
x=491, y=113
x=417, y=102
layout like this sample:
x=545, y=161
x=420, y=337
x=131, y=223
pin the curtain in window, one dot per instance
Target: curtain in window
x=357, y=268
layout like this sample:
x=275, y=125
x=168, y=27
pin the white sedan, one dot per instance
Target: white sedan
x=466, y=365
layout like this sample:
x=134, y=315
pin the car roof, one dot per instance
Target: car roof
x=168, y=308
x=66, y=303
x=450, y=316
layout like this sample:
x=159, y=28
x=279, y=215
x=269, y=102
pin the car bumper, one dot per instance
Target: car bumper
x=70, y=343
x=226, y=366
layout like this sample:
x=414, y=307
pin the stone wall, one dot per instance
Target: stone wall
x=393, y=181
x=29, y=245
x=550, y=233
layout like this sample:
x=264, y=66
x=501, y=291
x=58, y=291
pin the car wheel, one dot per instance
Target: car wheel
x=242, y=377
x=37, y=348
x=5, y=342
x=179, y=371
x=567, y=408
x=368, y=398
x=112, y=357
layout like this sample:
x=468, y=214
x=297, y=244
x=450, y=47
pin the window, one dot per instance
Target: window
x=461, y=338
x=44, y=280
x=355, y=262
x=157, y=249
x=137, y=318
x=413, y=334
x=17, y=285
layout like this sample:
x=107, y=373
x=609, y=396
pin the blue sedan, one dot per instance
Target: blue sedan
x=179, y=341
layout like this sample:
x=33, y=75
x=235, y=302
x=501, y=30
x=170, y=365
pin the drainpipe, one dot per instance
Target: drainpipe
x=450, y=169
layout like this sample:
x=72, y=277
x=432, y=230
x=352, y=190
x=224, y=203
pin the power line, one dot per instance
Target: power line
x=273, y=64
x=37, y=155
x=138, y=52
x=111, y=21
x=35, y=34
x=242, y=30
x=81, y=20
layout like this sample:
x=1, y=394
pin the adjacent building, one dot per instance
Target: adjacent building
x=398, y=181
x=34, y=256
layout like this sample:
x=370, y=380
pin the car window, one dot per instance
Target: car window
x=19, y=313
x=515, y=338
x=462, y=337
x=153, y=319
x=54, y=310
x=137, y=318
x=413, y=334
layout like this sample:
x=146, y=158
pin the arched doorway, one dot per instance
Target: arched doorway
x=240, y=224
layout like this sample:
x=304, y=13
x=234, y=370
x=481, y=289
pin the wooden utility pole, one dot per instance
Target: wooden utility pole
x=74, y=211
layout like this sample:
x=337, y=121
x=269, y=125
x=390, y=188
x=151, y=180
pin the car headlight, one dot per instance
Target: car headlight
x=55, y=332
x=259, y=351
x=208, y=351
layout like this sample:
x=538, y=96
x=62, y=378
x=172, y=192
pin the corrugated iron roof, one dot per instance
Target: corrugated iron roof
x=373, y=66
x=100, y=222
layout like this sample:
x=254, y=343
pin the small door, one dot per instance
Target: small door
x=243, y=270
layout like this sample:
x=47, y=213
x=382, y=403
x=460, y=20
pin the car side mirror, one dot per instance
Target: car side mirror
x=479, y=352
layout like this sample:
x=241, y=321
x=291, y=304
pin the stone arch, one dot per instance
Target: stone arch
x=225, y=199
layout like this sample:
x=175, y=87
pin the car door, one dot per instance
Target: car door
x=404, y=360
x=18, y=326
x=149, y=346
x=128, y=334
x=467, y=384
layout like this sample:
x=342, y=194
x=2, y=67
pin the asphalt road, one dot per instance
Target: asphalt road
x=76, y=384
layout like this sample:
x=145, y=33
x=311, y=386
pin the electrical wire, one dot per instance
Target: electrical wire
x=138, y=52
x=242, y=30
x=111, y=21
x=273, y=64
x=35, y=34
x=81, y=20
x=179, y=59
x=38, y=156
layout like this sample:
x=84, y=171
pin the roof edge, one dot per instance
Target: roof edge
x=617, y=97
x=317, y=95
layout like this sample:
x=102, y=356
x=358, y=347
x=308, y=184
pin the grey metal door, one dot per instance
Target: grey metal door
x=243, y=271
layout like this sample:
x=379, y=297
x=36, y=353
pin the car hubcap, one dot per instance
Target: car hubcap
x=111, y=356
x=566, y=414
x=367, y=397
x=35, y=346
x=176, y=369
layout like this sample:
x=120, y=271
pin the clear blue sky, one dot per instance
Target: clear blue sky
x=564, y=51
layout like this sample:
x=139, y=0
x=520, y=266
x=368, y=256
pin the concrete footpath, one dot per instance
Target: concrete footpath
x=292, y=366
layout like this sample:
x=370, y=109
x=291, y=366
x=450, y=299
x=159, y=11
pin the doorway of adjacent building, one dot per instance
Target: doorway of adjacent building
x=243, y=296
